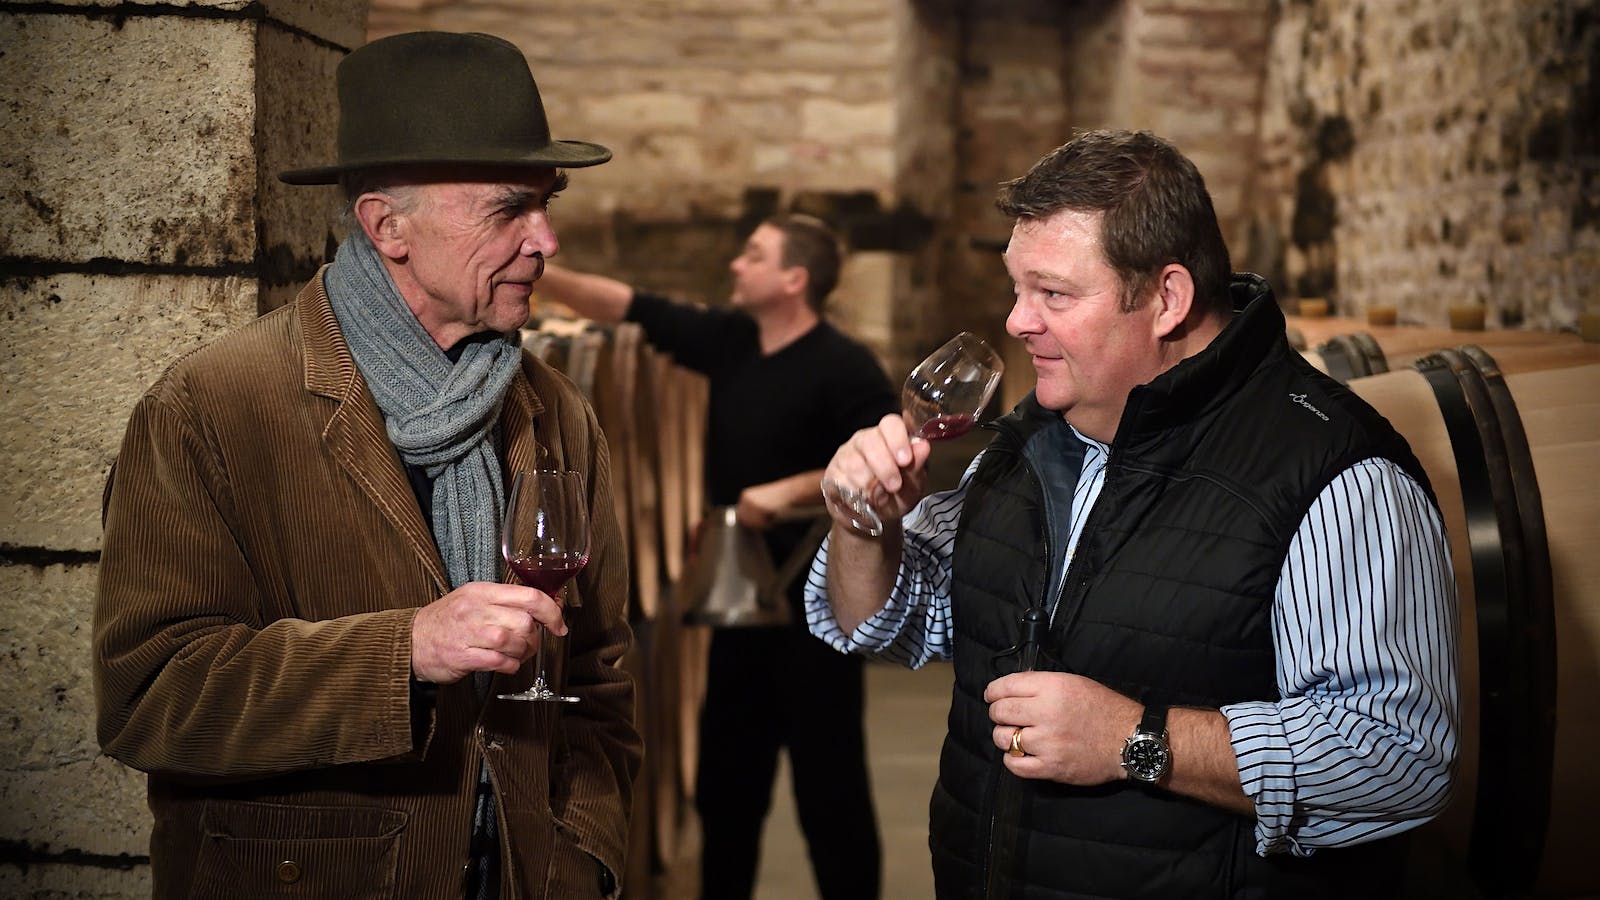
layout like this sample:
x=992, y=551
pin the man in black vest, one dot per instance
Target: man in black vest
x=1197, y=594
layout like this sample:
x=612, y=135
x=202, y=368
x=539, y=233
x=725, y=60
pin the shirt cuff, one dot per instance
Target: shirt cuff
x=874, y=635
x=1266, y=772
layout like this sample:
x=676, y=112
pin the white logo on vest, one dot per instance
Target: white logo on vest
x=1301, y=399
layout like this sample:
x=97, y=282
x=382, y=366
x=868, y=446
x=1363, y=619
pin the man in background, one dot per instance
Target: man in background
x=786, y=388
x=1197, y=594
x=300, y=633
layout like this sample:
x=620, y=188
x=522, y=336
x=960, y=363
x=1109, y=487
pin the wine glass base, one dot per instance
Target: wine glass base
x=544, y=695
x=863, y=518
x=867, y=527
x=539, y=691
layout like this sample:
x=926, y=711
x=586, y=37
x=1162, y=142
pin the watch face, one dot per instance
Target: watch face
x=1146, y=757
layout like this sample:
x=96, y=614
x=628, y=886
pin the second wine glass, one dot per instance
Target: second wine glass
x=942, y=399
x=545, y=540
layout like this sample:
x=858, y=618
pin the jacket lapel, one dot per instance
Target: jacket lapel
x=355, y=434
x=522, y=449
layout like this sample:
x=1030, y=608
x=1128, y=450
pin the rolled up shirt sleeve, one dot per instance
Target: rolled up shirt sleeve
x=913, y=628
x=1363, y=740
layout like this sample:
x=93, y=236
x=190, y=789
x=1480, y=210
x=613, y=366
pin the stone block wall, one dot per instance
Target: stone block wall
x=1029, y=75
x=895, y=119
x=719, y=112
x=139, y=217
x=1431, y=153
x=1192, y=72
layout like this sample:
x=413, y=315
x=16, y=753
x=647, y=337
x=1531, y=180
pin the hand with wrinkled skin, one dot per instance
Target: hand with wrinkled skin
x=1074, y=727
x=480, y=627
x=887, y=463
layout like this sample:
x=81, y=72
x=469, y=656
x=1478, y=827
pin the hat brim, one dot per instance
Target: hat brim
x=556, y=154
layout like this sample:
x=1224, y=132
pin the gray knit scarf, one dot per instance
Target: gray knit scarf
x=439, y=414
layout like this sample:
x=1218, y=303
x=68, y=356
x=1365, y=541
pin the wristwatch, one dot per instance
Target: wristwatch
x=1146, y=756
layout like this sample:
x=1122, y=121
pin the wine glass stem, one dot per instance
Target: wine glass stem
x=539, y=682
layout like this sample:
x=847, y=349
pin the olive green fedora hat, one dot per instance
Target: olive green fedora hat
x=436, y=97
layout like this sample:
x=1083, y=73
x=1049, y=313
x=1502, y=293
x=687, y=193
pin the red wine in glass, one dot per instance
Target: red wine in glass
x=545, y=541
x=942, y=399
x=548, y=573
x=946, y=427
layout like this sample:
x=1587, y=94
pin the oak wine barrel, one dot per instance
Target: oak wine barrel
x=1347, y=356
x=1513, y=348
x=653, y=415
x=1488, y=441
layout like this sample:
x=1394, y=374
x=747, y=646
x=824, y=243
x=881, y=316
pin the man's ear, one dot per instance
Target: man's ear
x=797, y=280
x=1174, y=298
x=382, y=222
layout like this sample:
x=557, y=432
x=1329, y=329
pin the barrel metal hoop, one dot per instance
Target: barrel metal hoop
x=1498, y=848
x=1343, y=363
x=1530, y=623
x=1376, y=362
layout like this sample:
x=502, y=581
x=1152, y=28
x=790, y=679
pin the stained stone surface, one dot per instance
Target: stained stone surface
x=296, y=127
x=48, y=749
x=340, y=23
x=76, y=352
x=127, y=140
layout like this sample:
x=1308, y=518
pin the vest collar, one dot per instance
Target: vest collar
x=1198, y=385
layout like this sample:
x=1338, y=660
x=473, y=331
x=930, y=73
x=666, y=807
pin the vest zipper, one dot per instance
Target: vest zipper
x=1006, y=788
x=1074, y=582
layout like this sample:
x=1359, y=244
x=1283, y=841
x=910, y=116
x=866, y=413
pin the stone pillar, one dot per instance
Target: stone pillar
x=139, y=217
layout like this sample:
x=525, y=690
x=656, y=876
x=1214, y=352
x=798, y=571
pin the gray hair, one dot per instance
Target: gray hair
x=391, y=180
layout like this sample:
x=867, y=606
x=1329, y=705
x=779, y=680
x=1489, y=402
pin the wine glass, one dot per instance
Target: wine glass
x=545, y=540
x=942, y=399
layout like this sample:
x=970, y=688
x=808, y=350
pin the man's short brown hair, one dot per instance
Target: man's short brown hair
x=1154, y=206
x=810, y=243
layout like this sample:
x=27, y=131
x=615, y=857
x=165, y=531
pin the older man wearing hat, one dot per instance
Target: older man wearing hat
x=301, y=633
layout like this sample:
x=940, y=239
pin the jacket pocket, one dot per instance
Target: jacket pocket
x=273, y=850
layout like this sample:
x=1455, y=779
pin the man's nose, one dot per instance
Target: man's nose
x=541, y=236
x=1022, y=319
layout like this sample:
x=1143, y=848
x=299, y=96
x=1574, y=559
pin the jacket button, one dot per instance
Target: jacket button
x=288, y=871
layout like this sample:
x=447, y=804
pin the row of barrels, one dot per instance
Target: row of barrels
x=1345, y=348
x=1507, y=426
x=653, y=414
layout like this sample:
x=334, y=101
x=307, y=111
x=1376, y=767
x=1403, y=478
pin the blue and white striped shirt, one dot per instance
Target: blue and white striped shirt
x=1364, y=623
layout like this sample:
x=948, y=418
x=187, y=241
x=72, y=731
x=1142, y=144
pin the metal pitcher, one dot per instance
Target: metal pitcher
x=731, y=579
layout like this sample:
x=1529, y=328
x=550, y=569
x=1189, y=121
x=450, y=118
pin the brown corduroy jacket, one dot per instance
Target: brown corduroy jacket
x=264, y=556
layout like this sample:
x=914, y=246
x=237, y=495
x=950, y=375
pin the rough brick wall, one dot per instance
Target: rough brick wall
x=719, y=112
x=1031, y=74
x=1429, y=153
x=139, y=217
x=895, y=119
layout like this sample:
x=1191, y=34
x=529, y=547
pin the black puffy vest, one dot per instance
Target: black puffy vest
x=1168, y=599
